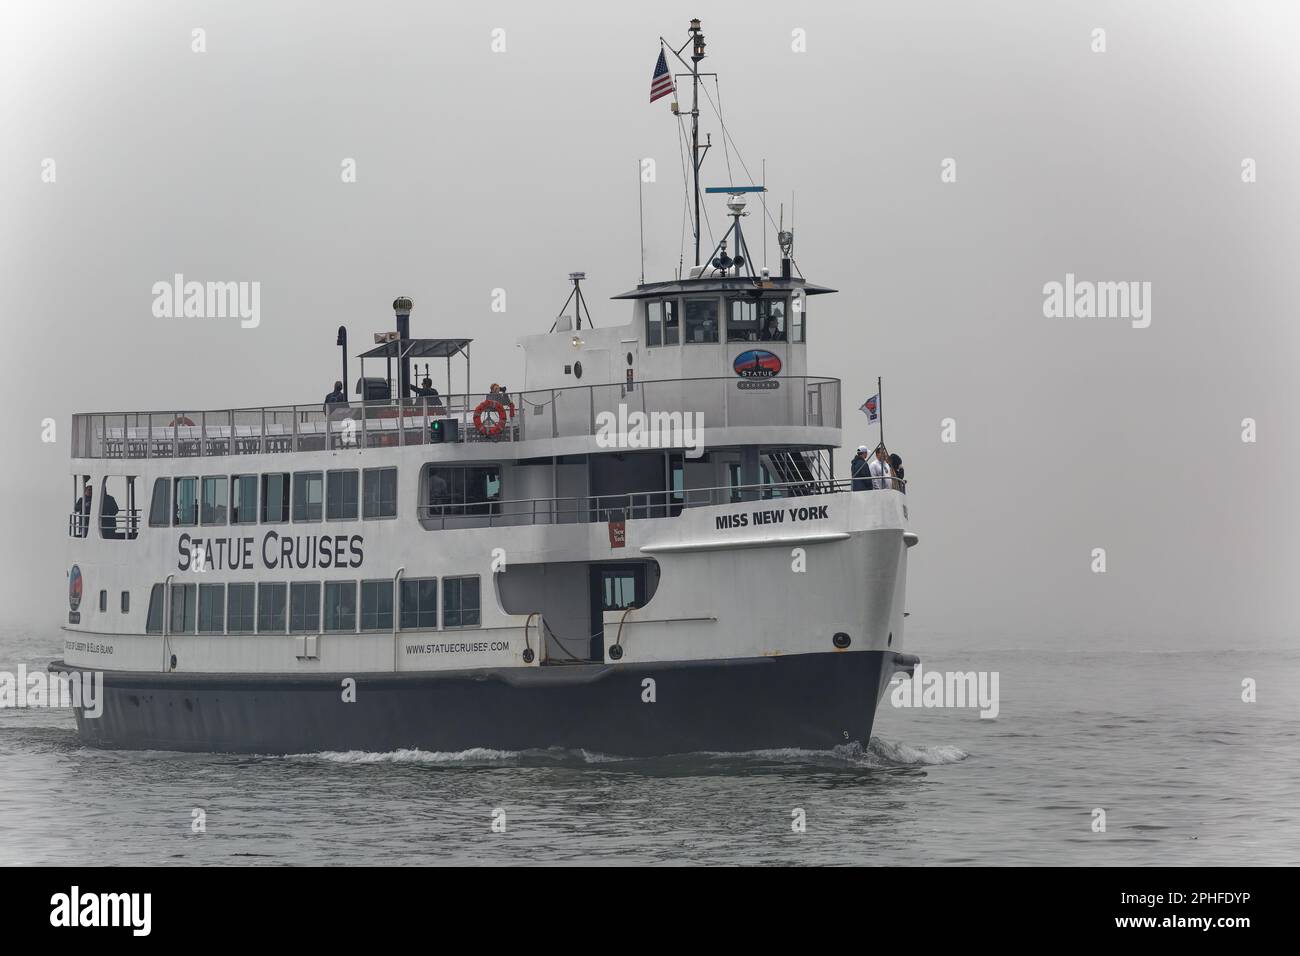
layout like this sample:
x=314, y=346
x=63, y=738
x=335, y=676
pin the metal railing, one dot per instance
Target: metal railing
x=549, y=413
x=586, y=509
x=124, y=525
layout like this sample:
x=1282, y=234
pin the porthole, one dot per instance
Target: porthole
x=577, y=370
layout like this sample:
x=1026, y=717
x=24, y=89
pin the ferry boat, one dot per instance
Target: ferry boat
x=644, y=550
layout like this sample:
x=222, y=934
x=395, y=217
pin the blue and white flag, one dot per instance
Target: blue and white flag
x=871, y=408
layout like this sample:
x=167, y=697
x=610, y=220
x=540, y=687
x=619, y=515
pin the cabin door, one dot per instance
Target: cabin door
x=614, y=587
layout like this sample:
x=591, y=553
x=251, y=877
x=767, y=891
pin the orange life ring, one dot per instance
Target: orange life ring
x=493, y=428
x=180, y=420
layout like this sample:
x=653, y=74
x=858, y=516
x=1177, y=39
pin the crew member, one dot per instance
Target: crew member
x=336, y=397
x=862, y=469
x=426, y=390
x=82, y=510
x=882, y=476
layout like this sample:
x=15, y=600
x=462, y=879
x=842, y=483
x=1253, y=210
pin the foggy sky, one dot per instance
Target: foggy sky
x=479, y=171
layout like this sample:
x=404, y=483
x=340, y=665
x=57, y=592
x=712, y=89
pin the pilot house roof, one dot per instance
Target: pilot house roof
x=650, y=290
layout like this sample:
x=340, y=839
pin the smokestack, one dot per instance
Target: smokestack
x=402, y=306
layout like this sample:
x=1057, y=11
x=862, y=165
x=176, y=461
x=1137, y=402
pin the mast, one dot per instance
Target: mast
x=697, y=54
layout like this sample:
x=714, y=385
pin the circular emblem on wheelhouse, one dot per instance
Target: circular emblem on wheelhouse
x=74, y=588
x=757, y=363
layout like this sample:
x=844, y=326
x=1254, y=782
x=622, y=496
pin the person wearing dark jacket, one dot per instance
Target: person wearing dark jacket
x=336, y=397
x=862, y=469
x=896, y=463
x=82, y=511
x=426, y=390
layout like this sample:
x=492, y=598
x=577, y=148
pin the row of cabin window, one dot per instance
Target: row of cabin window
x=748, y=320
x=218, y=500
x=263, y=608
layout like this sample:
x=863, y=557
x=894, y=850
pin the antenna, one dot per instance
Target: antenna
x=640, y=212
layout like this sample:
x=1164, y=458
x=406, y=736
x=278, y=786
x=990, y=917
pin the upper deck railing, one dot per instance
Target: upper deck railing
x=575, y=411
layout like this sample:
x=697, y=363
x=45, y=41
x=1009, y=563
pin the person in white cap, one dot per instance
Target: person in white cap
x=862, y=469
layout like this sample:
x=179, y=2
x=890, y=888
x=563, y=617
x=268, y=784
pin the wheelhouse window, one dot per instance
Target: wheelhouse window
x=183, y=608
x=187, y=502
x=742, y=320
x=798, y=318
x=622, y=588
x=213, y=507
x=241, y=612
x=154, y=618
x=379, y=493
x=468, y=490
x=270, y=608
x=308, y=495
x=243, y=499
x=376, y=605
x=460, y=602
x=212, y=608
x=419, y=598
x=275, y=498
x=159, y=516
x=701, y=320
x=341, y=495
x=661, y=322
x=304, y=606
x=341, y=605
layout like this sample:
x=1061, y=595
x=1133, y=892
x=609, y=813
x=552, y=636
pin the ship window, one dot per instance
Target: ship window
x=126, y=602
x=460, y=602
x=158, y=507
x=341, y=605
x=275, y=498
x=270, y=608
x=771, y=320
x=154, y=619
x=187, y=502
x=798, y=318
x=308, y=495
x=304, y=606
x=243, y=499
x=701, y=320
x=212, y=608
x=119, y=518
x=103, y=601
x=379, y=493
x=670, y=321
x=622, y=588
x=183, y=608
x=376, y=605
x=341, y=495
x=213, y=510
x=661, y=322
x=654, y=323
x=241, y=614
x=742, y=320
x=464, y=491
x=419, y=604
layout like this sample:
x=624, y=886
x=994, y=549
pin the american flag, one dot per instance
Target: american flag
x=661, y=84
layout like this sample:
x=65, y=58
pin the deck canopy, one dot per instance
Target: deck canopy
x=407, y=352
x=418, y=348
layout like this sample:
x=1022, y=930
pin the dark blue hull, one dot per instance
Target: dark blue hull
x=809, y=701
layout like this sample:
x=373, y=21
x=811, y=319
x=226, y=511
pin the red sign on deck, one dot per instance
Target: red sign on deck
x=617, y=533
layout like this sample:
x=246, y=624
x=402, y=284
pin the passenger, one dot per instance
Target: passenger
x=108, y=517
x=773, y=332
x=336, y=397
x=426, y=390
x=862, y=469
x=896, y=464
x=882, y=477
x=498, y=393
x=82, y=510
